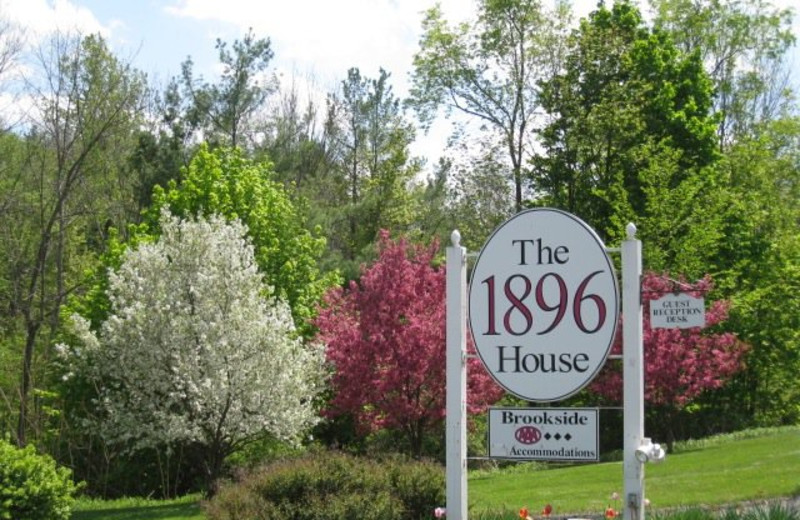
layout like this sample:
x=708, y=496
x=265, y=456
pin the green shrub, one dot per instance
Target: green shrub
x=770, y=512
x=333, y=486
x=419, y=486
x=743, y=512
x=32, y=487
x=692, y=513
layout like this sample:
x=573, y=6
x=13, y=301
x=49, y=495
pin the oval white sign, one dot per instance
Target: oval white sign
x=543, y=304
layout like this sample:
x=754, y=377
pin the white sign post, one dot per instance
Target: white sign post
x=633, y=375
x=543, y=304
x=456, y=387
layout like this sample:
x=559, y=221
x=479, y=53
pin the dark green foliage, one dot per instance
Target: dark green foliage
x=627, y=100
x=108, y=471
x=333, y=486
x=164, y=148
x=32, y=487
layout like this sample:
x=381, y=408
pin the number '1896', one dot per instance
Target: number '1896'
x=516, y=298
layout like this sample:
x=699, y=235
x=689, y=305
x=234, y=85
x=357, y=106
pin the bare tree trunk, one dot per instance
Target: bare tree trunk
x=31, y=331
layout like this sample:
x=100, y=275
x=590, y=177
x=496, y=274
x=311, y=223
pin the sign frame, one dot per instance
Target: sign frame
x=633, y=376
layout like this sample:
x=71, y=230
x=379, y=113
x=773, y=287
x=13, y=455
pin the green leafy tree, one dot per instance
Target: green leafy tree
x=372, y=165
x=488, y=70
x=683, y=223
x=223, y=111
x=224, y=182
x=627, y=99
x=477, y=198
x=163, y=145
x=296, y=143
x=16, y=236
x=354, y=168
x=759, y=268
x=86, y=104
x=744, y=47
x=430, y=205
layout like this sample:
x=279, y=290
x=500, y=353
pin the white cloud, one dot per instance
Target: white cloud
x=42, y=17
x=326, y=38
x=37, y=20
x=15, y=109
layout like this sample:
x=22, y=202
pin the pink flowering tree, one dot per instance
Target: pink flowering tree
x=680, y=364
x=385, y=338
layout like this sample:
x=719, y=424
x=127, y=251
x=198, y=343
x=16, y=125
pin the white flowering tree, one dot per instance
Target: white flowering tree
x=193, y=349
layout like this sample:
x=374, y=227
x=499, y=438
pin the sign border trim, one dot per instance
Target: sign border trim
x=617, y=302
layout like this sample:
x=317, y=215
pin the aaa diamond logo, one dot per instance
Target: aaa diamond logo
x=528, y=435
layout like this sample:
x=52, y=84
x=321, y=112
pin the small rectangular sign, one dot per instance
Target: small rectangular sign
x=554, y=434
x=677, y=311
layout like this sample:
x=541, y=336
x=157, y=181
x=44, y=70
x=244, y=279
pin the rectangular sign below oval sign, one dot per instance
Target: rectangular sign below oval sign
x=552, y=434
x=677, y=311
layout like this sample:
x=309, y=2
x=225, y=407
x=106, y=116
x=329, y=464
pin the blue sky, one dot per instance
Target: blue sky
x=156, y=40
x=319, y=38
x=309, y=37
x=313, y=40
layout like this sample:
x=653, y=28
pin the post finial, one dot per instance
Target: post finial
x=631, y=230
x=455, y=238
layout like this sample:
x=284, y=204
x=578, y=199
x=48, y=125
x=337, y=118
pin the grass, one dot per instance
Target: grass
x=726, y=469
x=716, y=471
x=184, y=508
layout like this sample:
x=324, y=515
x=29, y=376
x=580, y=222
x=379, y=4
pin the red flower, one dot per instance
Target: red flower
x=523, y=513
x=547, y=510
x=610, y=513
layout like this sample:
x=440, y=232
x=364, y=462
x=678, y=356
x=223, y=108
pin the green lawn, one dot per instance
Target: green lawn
x=186, y=508
x=716, y=472
x=724, y=470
